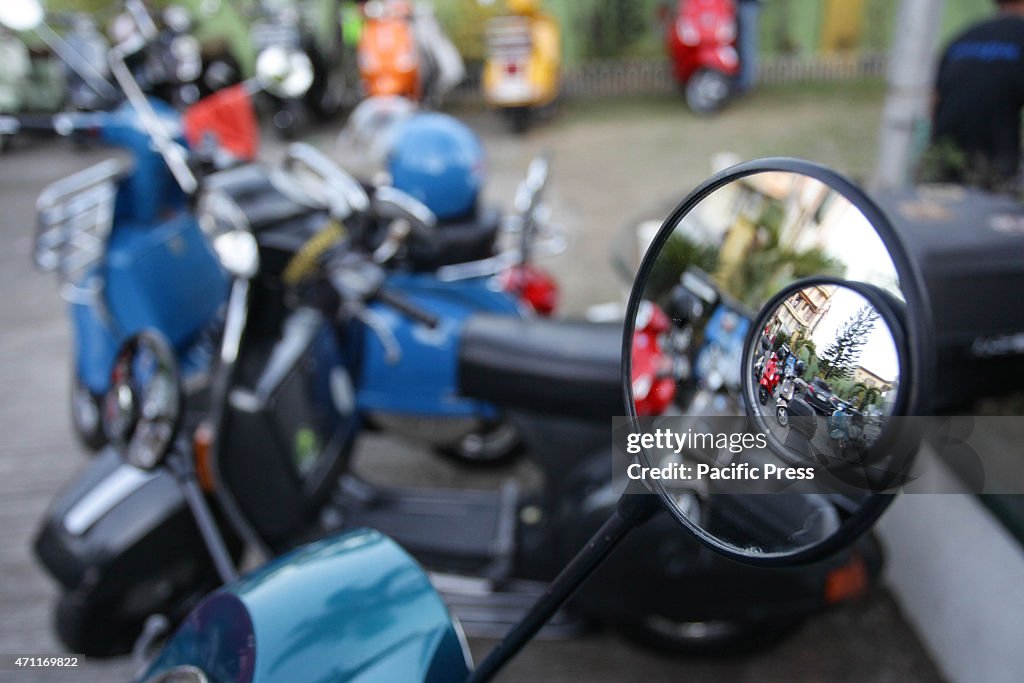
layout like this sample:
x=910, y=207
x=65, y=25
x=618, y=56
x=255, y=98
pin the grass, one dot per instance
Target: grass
x=834, y=123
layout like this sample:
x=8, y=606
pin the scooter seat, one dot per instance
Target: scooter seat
x=569, y=368
x=470, y=239
x=260, y=199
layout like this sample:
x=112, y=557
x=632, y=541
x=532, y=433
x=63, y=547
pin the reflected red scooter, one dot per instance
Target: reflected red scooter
x=701, y=42
x=769, y=379
x=654, y=385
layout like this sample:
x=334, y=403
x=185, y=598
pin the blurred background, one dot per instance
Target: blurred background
x=635, y=102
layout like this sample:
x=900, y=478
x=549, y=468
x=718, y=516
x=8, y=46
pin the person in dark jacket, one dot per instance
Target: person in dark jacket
x=979, y=94
x=748, y=11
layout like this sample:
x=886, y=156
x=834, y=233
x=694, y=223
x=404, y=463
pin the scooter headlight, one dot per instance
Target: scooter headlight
x=142, y=408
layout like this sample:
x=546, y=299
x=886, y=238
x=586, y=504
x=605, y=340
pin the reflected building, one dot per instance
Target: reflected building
x=862, y=375
x=805, y=309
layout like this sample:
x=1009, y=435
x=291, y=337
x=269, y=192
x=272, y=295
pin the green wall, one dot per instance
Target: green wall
x=602, y=28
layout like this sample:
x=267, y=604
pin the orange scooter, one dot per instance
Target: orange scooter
x=389, y=60
x=403, y=51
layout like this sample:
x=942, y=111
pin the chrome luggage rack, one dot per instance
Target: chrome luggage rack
x=74, y=218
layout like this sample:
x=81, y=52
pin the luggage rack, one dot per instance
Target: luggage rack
x=74, y=218
x=509, y=37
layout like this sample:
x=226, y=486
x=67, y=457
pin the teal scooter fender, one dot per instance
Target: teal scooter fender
x=354, y=607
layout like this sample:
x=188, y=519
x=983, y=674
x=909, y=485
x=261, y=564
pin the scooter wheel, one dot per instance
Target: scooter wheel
x=86, y=416
x=90, y=629
x=712, y=638
x=783, y=414
x=762, y=395
x=492, y=445
x=707, y=91
x=518, y=119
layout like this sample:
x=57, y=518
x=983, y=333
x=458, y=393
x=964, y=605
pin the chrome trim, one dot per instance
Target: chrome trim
x=116, y=487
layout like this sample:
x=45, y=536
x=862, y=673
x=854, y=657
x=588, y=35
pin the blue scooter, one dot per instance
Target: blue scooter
x=132, y=263
x=129, y=251
x=356, y=608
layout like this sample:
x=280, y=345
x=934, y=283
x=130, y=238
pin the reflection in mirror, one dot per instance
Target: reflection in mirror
x=824, y=373
x=754, y=351
x=21, y=15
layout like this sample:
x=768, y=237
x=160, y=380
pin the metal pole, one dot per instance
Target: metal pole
x=910, y=78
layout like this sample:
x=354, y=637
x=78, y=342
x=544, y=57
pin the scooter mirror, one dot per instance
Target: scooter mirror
x=823, y=372
x=796, y=362
x=21, y=15
x=142, y=408
x=238, y=253
x=284, y=72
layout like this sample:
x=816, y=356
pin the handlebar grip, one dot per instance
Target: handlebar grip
x=407, y=308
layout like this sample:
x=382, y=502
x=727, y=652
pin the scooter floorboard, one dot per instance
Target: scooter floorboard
x=488, y=610
x=444, y=527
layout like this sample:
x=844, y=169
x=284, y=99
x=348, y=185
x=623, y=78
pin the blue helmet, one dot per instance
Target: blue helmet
x=438, y=160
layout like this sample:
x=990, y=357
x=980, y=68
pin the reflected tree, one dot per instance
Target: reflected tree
x=840, y=358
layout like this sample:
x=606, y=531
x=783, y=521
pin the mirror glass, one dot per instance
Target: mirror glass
x=284, y=72
x=21, y=15
x=824, y=354
x=785, y=311
x=143, y=405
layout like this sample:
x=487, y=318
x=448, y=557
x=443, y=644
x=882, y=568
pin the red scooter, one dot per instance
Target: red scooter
x=701, y=43
x=769, y=379
x=654, y=384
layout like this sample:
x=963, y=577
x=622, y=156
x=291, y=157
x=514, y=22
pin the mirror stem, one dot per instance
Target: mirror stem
x=634, y=509
x=92, y=78
x=181, y=466
x=171, y=151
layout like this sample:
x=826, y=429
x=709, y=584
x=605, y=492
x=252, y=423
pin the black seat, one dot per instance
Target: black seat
x=471, y=239
x=554, y=367
x=263, y=203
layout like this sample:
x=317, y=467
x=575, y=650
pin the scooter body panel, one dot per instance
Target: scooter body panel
x=427, y=370
x=354, y=607
x=164, y=277
x=95, y=345
x=158, y=269
x=124, y=544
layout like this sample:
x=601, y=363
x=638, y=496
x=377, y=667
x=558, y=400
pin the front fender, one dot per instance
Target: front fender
x=351, y=608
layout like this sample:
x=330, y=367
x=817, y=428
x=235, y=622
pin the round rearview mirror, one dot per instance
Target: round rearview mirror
x=142, y=408
x=793, y=310
x=284, y=72
x=824, y=372
x=21, y=15
x=238, y=253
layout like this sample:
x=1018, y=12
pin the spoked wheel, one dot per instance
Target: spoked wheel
x=714, y=637
x=782, y=413
x=707, y=91
x=762, y=395
x=493, y=444
x=86, y=417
